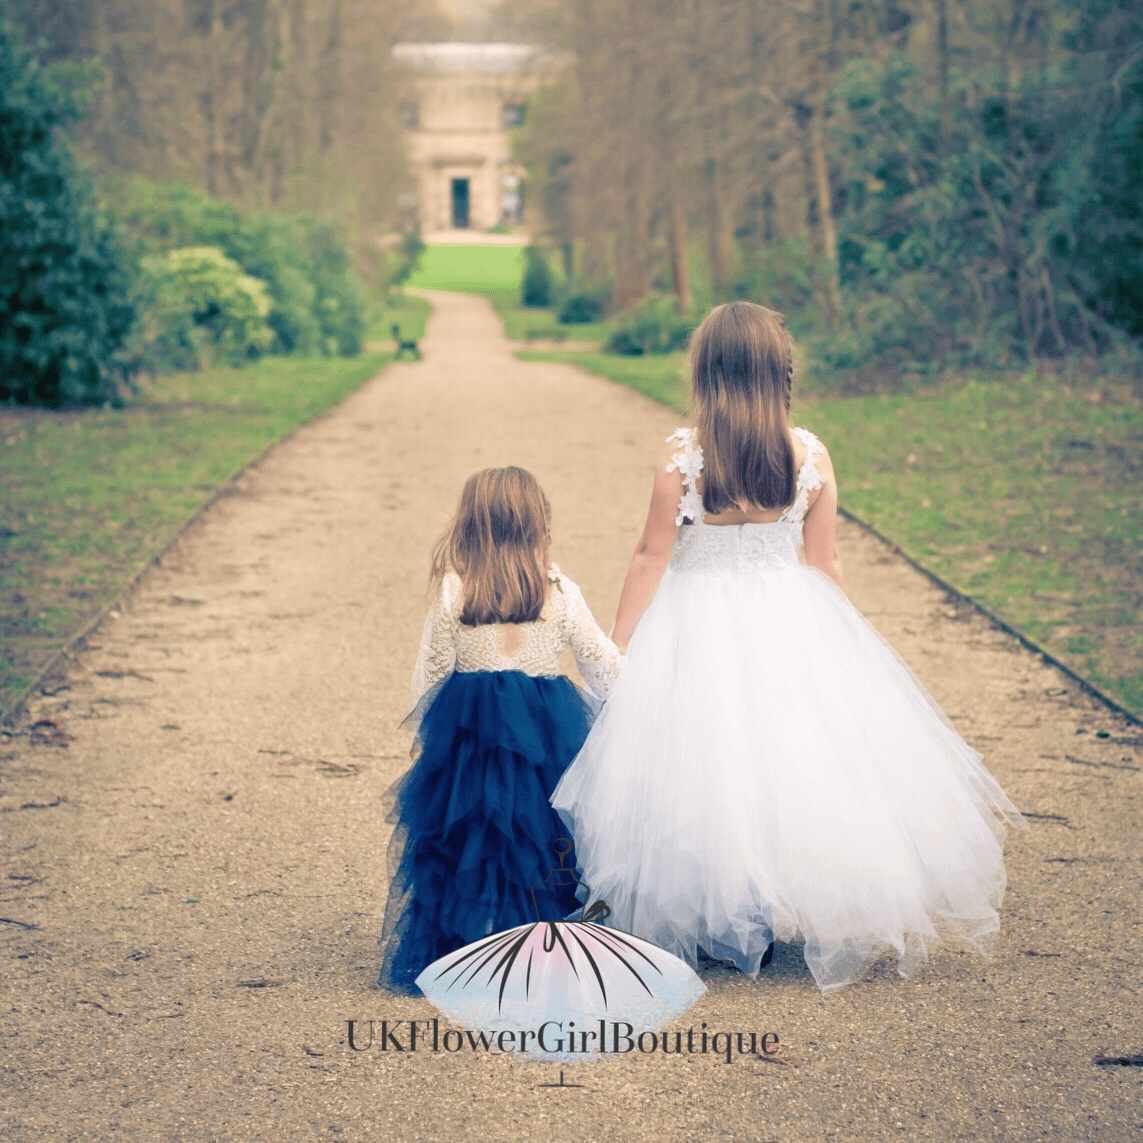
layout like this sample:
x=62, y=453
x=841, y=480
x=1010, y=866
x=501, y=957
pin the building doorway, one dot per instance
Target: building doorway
x=460, y=203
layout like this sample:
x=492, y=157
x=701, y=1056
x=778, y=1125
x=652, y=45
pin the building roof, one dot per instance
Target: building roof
x=464, y=57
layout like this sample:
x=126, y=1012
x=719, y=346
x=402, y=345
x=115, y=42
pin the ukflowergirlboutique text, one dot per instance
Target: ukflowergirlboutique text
x=608, y=1037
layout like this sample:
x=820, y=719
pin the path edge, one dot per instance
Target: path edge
x=1029, y=644
x=10, y=717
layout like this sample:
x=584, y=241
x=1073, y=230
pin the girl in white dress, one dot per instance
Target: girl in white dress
x=767, y=767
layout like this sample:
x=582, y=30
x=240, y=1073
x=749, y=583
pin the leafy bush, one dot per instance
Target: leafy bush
x=987, y=237
x=316, y=305
x=205, y=310
x=653, y=326
x=407, y=258
x=579, y=309
x=66, y=281
x=538, y=286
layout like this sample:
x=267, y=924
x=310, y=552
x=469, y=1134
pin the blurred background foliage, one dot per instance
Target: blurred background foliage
x=917, y=183
x=66, y=282
x=305, y=262
x=259, y=133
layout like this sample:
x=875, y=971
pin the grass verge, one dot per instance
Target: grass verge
x=91, y=495
x=469, y=269
x=496, y=273
x=1022, y=493
x=405, y=310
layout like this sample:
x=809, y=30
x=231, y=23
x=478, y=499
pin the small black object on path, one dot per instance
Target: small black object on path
x=404, y=344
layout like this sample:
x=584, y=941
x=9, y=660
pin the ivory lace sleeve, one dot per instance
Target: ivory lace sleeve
x=598, y=658
x=436, y=658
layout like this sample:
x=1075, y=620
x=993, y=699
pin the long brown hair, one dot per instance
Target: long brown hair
x=742, y=374
x=497, y=543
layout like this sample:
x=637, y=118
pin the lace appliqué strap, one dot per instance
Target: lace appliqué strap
x=688, y=462
x=596, y=656
x=809, y=479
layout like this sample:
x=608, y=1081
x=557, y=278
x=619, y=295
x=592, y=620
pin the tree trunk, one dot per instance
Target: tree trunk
x=680, y=275
x=943, y=63
x=330, y=71
x=825, y=212
x=1053, y=315
x=631, y=254
x=720, y=237
x=215, y=143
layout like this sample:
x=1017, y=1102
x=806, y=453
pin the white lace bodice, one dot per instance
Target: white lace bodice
x=448, y=645
x=725, y=549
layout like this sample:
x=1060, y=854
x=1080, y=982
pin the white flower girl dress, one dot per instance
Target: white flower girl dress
x=768, y=768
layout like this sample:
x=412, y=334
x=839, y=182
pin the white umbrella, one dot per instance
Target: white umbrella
x=567, y=990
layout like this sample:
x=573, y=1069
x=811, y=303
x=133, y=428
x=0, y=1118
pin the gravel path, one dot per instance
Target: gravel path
x=194, y=849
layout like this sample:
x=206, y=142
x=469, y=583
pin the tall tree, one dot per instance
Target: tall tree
x=282, y=103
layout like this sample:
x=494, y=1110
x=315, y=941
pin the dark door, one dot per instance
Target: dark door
x=460, y=203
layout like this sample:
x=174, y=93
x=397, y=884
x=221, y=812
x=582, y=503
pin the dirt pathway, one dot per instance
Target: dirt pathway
x=192, y=886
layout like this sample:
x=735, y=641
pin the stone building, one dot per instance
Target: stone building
x=459, y=103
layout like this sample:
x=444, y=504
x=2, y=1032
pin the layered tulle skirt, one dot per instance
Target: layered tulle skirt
x=768, y=768
x=473, y=827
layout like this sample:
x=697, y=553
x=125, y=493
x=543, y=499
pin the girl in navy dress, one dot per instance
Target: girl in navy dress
x=496, y=726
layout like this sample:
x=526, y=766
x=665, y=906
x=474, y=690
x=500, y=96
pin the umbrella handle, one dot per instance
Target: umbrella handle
x=600, y=910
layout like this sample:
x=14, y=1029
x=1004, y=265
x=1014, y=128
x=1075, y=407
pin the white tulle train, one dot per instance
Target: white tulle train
x=767, y=767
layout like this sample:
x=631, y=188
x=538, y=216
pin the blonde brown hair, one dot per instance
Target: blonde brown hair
x=497, y=543
x=742, y=375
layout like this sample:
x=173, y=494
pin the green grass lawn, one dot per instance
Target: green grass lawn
x=469, y=269
x=91, y=495
x=1023, y=494
x=496, y=272
x=406, y=310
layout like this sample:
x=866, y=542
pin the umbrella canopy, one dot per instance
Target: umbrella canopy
x=564, y=977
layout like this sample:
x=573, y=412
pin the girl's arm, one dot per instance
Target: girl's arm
x=437, y=654
x=597, y=657
x=819, y=531
x=652, y=554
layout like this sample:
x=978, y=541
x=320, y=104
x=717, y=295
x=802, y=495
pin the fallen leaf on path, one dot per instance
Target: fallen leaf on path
x=35, y=805
x=96, y=1004
x=264, y=982
x=1059, y=819
x=48, y=733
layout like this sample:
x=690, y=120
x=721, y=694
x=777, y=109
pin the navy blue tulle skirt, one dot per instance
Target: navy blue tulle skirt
x=473, y=827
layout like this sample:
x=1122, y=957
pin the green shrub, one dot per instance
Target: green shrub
x=316, y=307
x=579, y=309
x=406, y=258
x=538, y=287
x=204, y=310
x=340, y=305
x=66, y=281
x=653, y=326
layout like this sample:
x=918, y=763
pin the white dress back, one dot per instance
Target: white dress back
x=768, y=768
